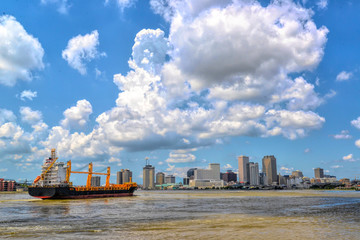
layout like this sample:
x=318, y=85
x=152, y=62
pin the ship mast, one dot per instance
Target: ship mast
x=89, y=173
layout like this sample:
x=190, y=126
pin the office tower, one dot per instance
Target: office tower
x=269, y=168
x=319, y=173
x=148, y=177
x=243, y=169
x=229, y=176
x=297, y=174
x=186, y=181
x=169, y=179
x=123, y=176
x=95, y=181
x=254, y=174
x=126, y=175
x=119, y=178
x=213, y=173
x=160, y=178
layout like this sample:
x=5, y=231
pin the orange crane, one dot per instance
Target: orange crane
x=54, y=158
x=89, y=173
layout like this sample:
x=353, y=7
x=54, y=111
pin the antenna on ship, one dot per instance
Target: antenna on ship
x=53, y=154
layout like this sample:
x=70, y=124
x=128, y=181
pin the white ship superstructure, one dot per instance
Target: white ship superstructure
x=53, y=173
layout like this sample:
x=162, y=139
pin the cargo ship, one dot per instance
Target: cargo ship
x=54, y=183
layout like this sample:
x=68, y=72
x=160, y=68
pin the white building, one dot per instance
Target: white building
x=212, y=173
x=207, y=177
x=254, y=174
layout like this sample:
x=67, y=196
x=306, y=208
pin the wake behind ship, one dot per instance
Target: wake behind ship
x=54, y=183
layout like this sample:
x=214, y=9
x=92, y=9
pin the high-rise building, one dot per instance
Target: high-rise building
x=319, y=173
x=123, y=176
x=254, y=174
x=212, y=173
x=229, y=176
x=127, y=176
x=119, y=178
x=297, y=174
x=186, y=181
x=160, y=178
x=169, y=179
x=269, y=168
x=148, y=177
x=95, y=181
x=243, y=169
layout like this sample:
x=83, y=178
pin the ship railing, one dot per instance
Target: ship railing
x=125, y=186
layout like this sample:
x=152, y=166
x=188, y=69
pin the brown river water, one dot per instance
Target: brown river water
x=207, y=214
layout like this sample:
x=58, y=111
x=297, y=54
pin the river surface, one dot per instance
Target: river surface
x=211, y=214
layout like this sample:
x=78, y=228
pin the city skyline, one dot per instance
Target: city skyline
x=184, y=83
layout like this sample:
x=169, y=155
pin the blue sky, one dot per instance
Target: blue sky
x=185, y=83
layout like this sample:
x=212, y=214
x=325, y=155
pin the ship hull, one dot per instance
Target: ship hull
x=73, y=193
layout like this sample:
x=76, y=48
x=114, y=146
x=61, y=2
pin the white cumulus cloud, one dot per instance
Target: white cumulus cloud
x=343, y=76
x=28, y=94
x=30, y=116
x=322, y=4
x=149, y=49
x=6, y=116
x=242, y=51
x=77, y=116
x=344, y=134
x=356, y=123
x=82, y=49
x=348, y=158
x=228, y=68
x=181, y=156
x=20, y=52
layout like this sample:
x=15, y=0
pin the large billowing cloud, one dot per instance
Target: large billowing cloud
x=229, y=72
x=82, y=49
x=20, y=52
x=244, y=51
x=149, y=50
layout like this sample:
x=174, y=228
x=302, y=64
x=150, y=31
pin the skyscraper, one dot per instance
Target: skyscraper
x=119, y=178
x=229, y=176
x=123, y=176
x=127, y=174
x=269, y=168
x=243, y=169
x=148, y=177
x=186, y=181
x=319, y=173
x=160, y=178
x=95, y=181
x=170, y=179
x=254, y=174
